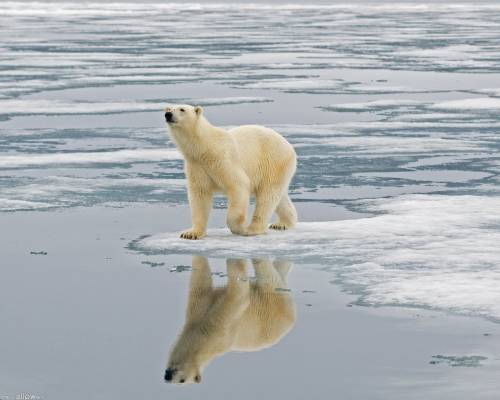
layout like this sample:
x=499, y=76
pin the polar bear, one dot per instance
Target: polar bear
x=246, y=161
x=242, y=316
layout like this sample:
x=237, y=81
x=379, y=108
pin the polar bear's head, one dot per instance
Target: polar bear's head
x=182, y=116
x=183, y=371
x=183, y=375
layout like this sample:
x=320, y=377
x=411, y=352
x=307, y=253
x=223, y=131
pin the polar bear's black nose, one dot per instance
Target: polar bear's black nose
x=169, y=374
x=168, y=116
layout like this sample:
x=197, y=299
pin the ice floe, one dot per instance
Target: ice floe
x=430, y=251
x=428, y=175
x=296, y=85
x=372, y=105
x=132, y=155
x=485, y=103
x=47, y=107
x=22, y=205
x=55, y=107
x=475, y=104
x=67, y=191
x=396, y=144
x=492, y=92
x=457, y=52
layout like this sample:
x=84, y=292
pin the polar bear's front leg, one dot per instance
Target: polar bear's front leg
x=237, y=294
x=237, y=209
x=200, y=289
x=200, y=201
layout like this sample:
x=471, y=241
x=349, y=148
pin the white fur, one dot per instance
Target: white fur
x=246, y=161
x=242, y=316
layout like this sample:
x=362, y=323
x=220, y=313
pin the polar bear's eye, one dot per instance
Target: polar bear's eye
x=182, y=110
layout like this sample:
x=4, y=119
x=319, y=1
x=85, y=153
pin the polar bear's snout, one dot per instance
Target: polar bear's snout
x=169, y=374
x=174, y=375
x=169, y=116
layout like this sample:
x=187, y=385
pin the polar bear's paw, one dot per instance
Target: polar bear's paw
x=192, y=234
x=278, y=227
x=254, y=230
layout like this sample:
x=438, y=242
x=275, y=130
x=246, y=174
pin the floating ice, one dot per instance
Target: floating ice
x=458, y=361
x=296, y=85
x=346, y=192
x=460, y=52
x=229, y=100
x=492, y=92
x=38, y=253
x=430, y=175
x=430, y=251
x=20, y=205
x=135, y=155
x=438, y=116
x=388, y=144
x=47, y=107
x=377, y=89
x=446, y=160
x=486, y=103
x=372, y=105
x=54, y=107
x=477, y=104
x=63, y=191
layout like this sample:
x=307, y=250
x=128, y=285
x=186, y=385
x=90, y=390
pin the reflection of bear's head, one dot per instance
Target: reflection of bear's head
x=244, y=315
x=185, y=372
x=182, y=116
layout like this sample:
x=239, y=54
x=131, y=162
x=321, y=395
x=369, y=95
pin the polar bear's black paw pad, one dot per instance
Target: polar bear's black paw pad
x=191, y=235
x=278, y=227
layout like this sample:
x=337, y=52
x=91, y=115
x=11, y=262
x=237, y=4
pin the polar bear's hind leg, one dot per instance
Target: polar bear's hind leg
x=287, y=215
x=265, y=204
x=283, y=267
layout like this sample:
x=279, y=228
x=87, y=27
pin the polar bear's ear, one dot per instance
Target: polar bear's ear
x=198, y=110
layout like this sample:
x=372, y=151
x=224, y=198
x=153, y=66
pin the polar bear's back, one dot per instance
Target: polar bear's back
x=263, y=151
x=267, y=140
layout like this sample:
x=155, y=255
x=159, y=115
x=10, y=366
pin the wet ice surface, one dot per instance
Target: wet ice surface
x=394, y=111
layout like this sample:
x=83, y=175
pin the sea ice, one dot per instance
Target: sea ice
x=485, y=103
x=432, y=251
x=131, y=155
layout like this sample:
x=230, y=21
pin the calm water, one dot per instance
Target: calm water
x=394, y=111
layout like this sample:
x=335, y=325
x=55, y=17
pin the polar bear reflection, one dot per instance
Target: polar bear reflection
x=244, y=315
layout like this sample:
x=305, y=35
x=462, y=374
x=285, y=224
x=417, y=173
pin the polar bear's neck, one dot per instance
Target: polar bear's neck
x=194, y=142
x=199, y=344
